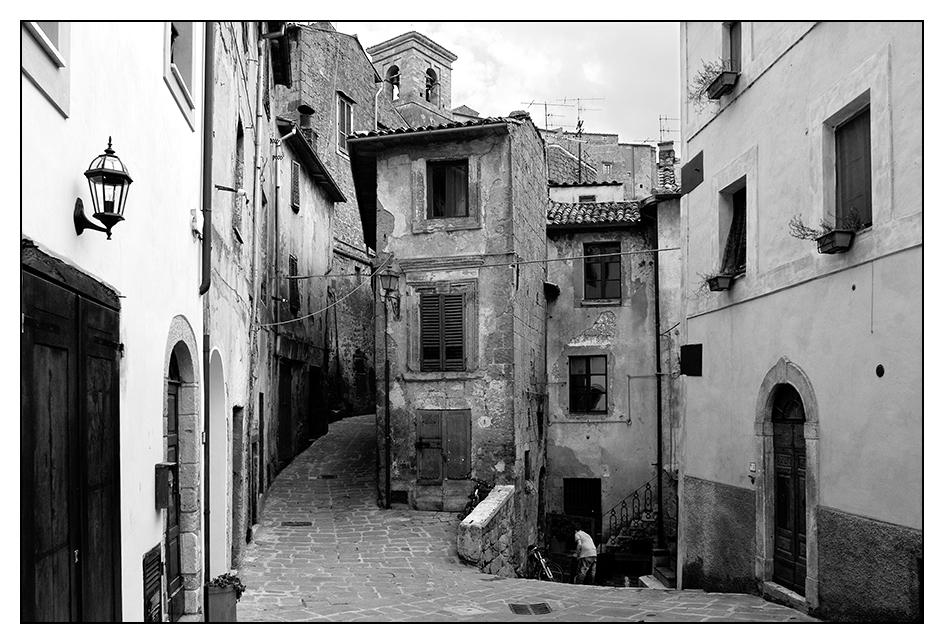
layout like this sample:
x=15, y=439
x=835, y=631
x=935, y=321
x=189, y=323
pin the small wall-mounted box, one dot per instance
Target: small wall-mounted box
x=164, y=474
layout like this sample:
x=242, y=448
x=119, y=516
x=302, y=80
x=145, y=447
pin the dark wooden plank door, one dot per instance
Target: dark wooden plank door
x=69, y=474
x=429, y=466
x=457, y=424
x=790, y=507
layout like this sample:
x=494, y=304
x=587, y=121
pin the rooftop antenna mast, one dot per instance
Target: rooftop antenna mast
x=580, y=110
x=664, y=126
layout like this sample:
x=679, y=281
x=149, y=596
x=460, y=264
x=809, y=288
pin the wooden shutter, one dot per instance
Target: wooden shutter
x=854, y=169
x=430, y=323
x=453, y=332
x=429, y=455
x=152, y=586
x=294, y=296
x=296, y=198
x=458, y=442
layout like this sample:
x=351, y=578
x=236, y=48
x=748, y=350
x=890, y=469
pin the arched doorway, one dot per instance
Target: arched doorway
x=787, y=417
x=786, y=428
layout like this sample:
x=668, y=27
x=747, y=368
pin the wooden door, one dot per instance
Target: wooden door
x=582, y=498
x=429, y=458
x=285, y=443
x=69, y=505
x=317, y=404
x=457, y=425
x=174, y=575
x=790, y=491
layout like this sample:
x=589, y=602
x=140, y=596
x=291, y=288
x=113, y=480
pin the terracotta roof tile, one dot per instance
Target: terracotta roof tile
x=430, y=128
x=592, y=213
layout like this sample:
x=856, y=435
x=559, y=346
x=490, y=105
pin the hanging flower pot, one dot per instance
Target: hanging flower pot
x=835, y=241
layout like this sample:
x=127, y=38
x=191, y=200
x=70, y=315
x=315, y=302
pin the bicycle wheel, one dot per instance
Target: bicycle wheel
x=557, y=573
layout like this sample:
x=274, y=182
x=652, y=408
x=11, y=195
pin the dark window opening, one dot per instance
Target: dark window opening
x=588, y=384
x=732, y=61
x=296, y=191
x=447, y=189
x=735, y=250
x=586, y=198
x=393, y=78
x=294, y=296
x=854, y=171
x=432, y=87
x=442, y=332
x=345, y=122
x=602, y=269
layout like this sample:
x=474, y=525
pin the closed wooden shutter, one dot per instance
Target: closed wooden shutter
x=442, y=332
x=458, y=441
x=429, y=455
x=854, y=170
x=152, y=586
x=296, y=198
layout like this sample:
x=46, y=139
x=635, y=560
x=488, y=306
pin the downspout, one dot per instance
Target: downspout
x=208, y=81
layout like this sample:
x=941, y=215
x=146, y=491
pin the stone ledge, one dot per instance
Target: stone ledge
x=777, y=593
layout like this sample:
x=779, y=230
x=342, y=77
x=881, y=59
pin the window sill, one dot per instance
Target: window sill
x=614, y=302
x=432, y=376
x=446, y=224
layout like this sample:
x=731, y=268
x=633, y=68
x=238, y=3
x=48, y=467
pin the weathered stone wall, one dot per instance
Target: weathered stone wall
x=562, y=165
x=718, y=537
x=632, y=164
x=485, y=536
x=869, y=571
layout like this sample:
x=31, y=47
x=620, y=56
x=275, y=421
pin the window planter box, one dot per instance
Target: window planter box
x=720, y=282
x=723, y=84
x=835, y=241
x=221, y=604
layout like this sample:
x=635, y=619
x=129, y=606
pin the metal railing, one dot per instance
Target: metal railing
x=632, y=511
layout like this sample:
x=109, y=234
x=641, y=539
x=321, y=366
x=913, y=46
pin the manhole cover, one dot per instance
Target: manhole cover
x=296, y=523
x=530, y=609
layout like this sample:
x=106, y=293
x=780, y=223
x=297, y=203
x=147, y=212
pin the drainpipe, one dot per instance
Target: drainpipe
x=660, y=524
x=208, y=80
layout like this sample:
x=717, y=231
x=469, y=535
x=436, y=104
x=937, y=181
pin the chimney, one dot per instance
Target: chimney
x=304, y=123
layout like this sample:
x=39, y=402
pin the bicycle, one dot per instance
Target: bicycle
x=540, y=568
x=479, y=492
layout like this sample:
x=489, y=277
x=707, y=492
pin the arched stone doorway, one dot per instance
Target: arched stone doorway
x=182, y=404
x=786, y=428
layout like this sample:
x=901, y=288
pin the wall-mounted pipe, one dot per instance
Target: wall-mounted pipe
x=208, y=81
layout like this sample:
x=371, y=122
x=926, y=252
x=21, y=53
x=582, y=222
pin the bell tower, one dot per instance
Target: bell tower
x=417, y=77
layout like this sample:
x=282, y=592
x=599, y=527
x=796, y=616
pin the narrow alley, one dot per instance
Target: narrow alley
x=324, y=551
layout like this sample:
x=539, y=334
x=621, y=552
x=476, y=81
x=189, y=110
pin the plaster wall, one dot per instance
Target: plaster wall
x=152, y=257
x=572, y=194
x=618, y=447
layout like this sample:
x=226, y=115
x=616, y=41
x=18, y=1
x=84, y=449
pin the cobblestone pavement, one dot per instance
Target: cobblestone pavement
x=325, y=552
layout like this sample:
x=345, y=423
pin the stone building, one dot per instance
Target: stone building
x=610, y=361
x=465, y=336
x=334, y=92
x=632, y=164
x=800, y=456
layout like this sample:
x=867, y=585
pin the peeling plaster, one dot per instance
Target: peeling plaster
x=599, y=335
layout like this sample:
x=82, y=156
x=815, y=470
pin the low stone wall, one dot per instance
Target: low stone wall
x=485, y=536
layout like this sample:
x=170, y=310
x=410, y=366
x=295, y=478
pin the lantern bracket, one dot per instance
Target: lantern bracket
x=82, y=222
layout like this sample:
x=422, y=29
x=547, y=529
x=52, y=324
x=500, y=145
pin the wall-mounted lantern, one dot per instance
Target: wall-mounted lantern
x=109, y=183
x=390, y=283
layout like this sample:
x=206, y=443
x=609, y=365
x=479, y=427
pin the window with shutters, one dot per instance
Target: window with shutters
x=602, y=271
x=447, y=186
x=296, y=197
x=345, y=122
x=588, y=384
x=442, y=332
x=733, y=228
x=854, y=170
x=294, y=297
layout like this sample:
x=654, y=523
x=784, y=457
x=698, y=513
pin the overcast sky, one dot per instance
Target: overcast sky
x=503, y=66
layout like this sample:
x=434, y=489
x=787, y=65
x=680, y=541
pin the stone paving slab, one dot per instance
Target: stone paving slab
x=325, y=552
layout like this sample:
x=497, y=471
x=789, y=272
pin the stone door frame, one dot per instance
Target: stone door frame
x=785, y=372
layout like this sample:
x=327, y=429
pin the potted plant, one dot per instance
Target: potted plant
x=713, y=80
x=829, y=238
x=223, y=593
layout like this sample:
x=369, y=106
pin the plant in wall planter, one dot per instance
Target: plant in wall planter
x=710, y=83
x=829, y=238
x=719, y=282
x=224, y=591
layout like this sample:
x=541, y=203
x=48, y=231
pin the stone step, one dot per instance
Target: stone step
x=650, y=581
x=665, y=575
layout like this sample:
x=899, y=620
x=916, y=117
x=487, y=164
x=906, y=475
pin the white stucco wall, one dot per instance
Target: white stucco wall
x=835, y=316
x=153, y=260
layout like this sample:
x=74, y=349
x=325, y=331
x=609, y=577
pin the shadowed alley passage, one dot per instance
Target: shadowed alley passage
x=325, y=552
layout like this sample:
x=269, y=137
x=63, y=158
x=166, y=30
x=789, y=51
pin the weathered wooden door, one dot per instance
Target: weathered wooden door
x=790, y=486
x=443, y=445
x=429, y=459
x=172, y=529
x=69, y=485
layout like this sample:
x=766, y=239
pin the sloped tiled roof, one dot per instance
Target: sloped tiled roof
x=584, y=184
x=592, y=213
x=667, y=182
x=491, y=120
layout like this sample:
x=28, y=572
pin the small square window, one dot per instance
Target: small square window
x=601, y=272
x=586, y=199
x=588, y=384
x=447, y=189
x=345, y=122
